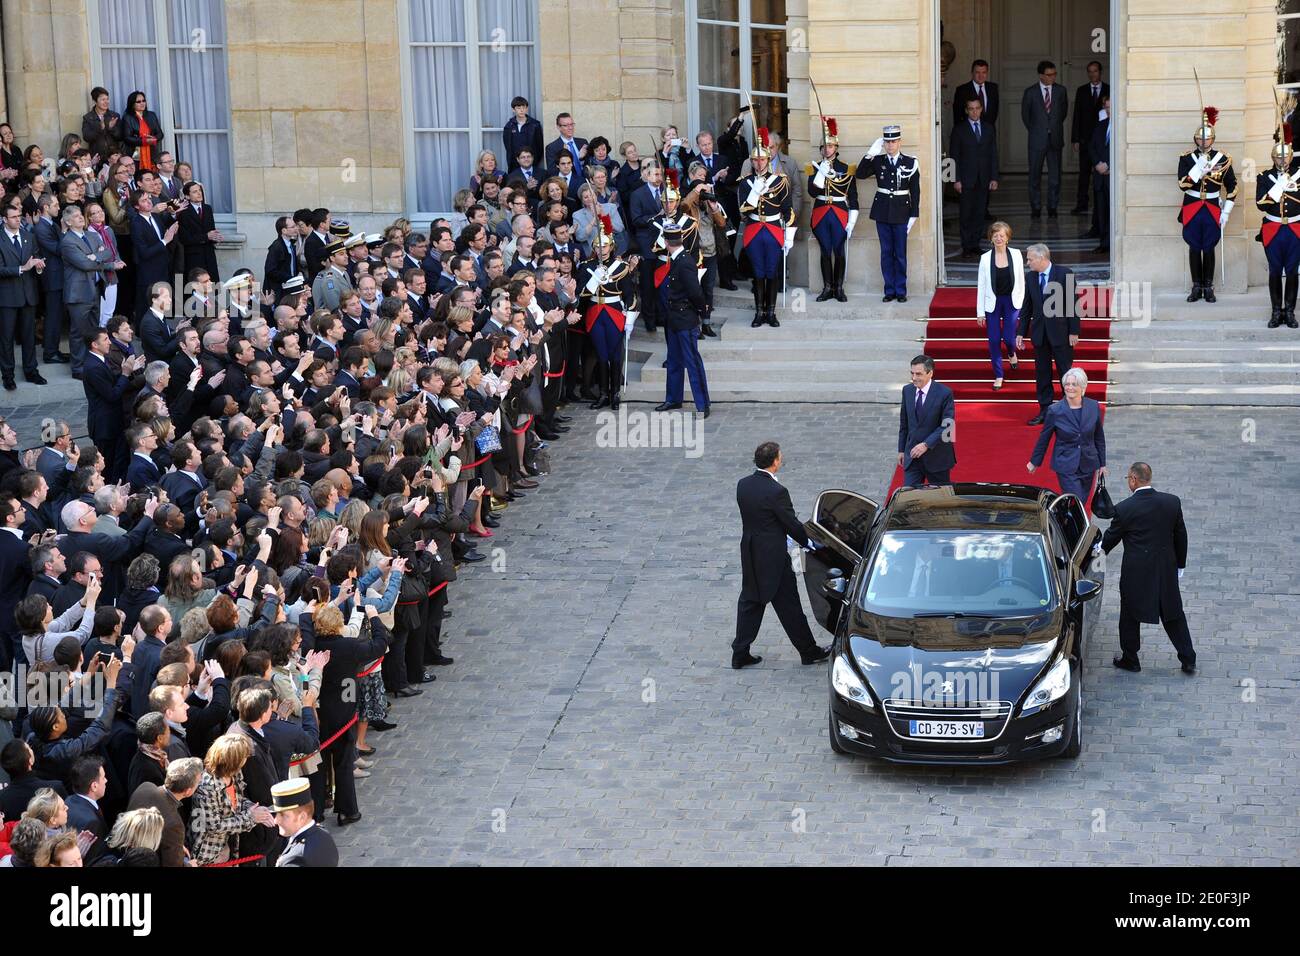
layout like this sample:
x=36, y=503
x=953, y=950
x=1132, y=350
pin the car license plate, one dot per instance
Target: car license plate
x=955, y=729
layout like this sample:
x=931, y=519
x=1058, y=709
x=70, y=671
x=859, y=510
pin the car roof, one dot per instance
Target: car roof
x=969, y=506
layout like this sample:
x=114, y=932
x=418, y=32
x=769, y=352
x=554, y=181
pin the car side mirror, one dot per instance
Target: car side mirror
x=835, y=584
x=1086, y=590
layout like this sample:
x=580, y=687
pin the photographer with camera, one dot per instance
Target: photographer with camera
x=700, y=203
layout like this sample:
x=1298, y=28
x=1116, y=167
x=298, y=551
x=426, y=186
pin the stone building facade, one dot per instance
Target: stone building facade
x=321, y=96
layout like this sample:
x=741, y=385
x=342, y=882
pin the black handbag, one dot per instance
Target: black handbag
x=1102, y=505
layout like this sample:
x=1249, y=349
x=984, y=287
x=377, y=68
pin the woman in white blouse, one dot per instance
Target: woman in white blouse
x=1001, y=293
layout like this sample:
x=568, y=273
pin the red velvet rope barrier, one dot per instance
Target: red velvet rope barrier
x=238, y=862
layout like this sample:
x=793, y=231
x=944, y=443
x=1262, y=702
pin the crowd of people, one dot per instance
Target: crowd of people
x=212, y=610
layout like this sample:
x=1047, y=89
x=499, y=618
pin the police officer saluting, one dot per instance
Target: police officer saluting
x=684, y=306
x=1209, y=187
x=835, y=211
x=768, y=213
x=1277, y=194
x=894, y=209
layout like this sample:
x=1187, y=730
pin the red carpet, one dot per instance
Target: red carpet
x=993, y=441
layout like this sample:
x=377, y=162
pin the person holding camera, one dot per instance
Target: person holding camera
x=700, y=204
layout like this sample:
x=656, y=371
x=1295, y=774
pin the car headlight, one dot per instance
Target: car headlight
x=1054, y=685
x=848, y=684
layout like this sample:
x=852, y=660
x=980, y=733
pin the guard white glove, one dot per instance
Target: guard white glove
x=1227, y=211
x=789, y=237
x=1279, y=187
x=1197, y=172
x=910, y=223
x=628, y=325
x=823, y=170
x=1180, y=573
x=876, y=148
x=853, y=221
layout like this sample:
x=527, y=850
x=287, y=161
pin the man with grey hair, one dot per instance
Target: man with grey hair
x=181, y=782
x=114, y=553
x=87, y=266
x=110, y=502
x=1050, y=319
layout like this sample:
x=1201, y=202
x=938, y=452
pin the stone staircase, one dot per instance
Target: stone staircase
x=858, y=353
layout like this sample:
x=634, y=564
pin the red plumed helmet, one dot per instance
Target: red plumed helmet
x=673, y=178
x=1286, y=133
x=832, y=126
x=762, y=137
x=1211, y=116
x=606, y=224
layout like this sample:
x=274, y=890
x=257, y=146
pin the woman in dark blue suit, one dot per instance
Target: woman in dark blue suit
x=1080, y=450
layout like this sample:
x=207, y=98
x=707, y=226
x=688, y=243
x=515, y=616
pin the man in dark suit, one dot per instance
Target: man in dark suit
x=54, y=456
x=566, y=142
x=182, y=781
x=1099, y=161
x=767, y=518
x=980, y=88
x=684, y=308
x=115, y=552
x=645, y=206
x=185, y=483
x=309, y=845
x=1050, y=318
x=104, y=391
x=151, y=238
x=1042, y=109
x=20, y=264
x=281, y=256
x=48, y=235
x=1150, y=523
x=927, y=421
x=974, y=150
x=88, y=782
x=15, y=575
x=1087, y=108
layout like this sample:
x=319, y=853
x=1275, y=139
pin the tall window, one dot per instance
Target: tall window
x=1288, y=44
x=175, y=52
x=736, y=47
x=465, y=60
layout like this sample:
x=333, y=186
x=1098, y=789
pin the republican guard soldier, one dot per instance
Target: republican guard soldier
x=767, y=212
x=1209, y=188
x=1277, y=194
x=834, y=191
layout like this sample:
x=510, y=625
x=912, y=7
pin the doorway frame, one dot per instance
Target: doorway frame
x=1115, y=47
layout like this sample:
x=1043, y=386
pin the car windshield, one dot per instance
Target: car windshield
x=963, y=573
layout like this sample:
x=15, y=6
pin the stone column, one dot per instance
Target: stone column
x=873, y=65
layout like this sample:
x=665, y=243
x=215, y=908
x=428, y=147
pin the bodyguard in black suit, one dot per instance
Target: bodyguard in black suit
x=1088, y=100
x=150, y=238
x=281, y=257
x=15, y=576
x=1050, y=318
x=1099, y=162
x=974, y=149
x=981, y=89
x=1043, y=108
x=767, y=517
x=927, y=421
x=566, y=142
x=1150, y=523
x=20, y=264
x=104, y=389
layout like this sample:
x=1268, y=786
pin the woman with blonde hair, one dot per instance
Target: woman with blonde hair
x=48, y=807
x=1000, y=294
x=136, y=836
x=220, y=812
x=353, y=513
x=485, y=167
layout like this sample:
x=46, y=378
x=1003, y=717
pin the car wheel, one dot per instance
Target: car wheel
x=1075, y=746
x=835, y=736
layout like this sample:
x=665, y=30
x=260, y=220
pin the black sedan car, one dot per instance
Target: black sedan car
x=959, y=615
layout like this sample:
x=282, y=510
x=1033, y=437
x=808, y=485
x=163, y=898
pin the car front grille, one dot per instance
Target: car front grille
x=994, y=714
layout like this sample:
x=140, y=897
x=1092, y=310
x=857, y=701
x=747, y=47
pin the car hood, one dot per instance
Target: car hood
x=984, y=659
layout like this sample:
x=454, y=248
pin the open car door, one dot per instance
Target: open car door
x=1080, y=536
x=837, y=533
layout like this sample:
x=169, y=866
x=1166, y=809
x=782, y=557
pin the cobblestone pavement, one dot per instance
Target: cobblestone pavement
x=591, y=717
